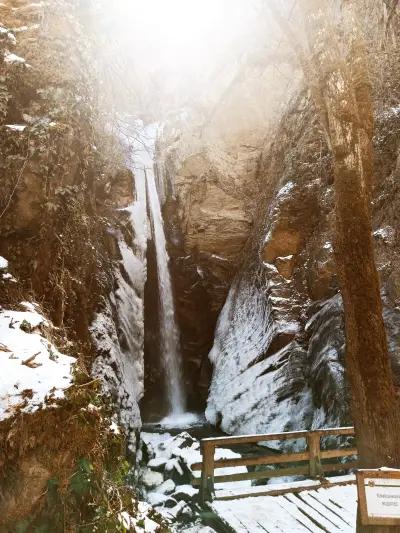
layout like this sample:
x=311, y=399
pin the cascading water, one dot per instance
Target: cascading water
x=169, y=333
x=144, y=141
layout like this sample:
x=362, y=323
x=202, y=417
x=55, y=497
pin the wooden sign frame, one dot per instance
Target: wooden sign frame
x=367, y=520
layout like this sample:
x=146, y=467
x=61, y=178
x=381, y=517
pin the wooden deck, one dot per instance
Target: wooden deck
x=317, y=503
x=324, y=509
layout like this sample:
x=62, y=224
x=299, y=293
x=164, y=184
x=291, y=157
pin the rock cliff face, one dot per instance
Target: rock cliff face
x=254, y=225
x=210, y=191
x=73, y=229
x=278, y=353
x=71, y=223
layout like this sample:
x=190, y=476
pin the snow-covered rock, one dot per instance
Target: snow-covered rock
x=118, y=330
x=175, y=498
x=33, y=371
x=151, y=479
x=141, y=523
x=13, y=59
x=167, y=487
x=156, y=499
x=185, y=492
x=158, y=464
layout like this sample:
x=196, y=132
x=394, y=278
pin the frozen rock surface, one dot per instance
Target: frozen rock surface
x=278, y=351
x=118, y=330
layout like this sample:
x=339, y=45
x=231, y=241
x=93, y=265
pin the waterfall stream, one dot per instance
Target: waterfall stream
x=169, y=334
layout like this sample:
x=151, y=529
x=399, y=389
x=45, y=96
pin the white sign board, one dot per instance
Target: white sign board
x=379, y=496
x=383, y=497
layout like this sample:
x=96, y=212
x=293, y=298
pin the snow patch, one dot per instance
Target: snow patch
x=386, y=234
x=33, y=370
x=286, y=189
x=5, y=33
x=16, y=127
x=141, y=523
x=13, y=59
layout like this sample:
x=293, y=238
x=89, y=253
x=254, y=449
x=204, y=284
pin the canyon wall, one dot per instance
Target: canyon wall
x=266, y=212
x=278, y=352
x=73, y=235
x=209, y=214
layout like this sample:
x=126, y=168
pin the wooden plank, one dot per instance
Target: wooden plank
x=261, y=513
x=244, y=439
x=247, y=517
x=323, y=509
x=260, y=474
x=314, y=450
x=321, y=495
x=342, y=452
x=291, y=514
x=344, y=496
x=294, y=511
x=294, y=487
x=207, y=473
x=267, y=490
x=230, y=519
x=337, y=467
x=262, y=460
x=287, y=458
x=315, y=516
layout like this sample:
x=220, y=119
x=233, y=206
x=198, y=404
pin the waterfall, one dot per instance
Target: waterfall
x=169, y=333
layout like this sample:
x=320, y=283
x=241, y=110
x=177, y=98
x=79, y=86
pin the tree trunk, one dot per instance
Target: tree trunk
x=340, y=88
x=347, y=100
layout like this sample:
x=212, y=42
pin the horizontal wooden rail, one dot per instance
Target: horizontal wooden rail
x=313, y=455
x=259, y=460
x=342, y=452
x=219, y=442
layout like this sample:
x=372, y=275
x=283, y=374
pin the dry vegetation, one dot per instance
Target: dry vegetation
x=62, y=176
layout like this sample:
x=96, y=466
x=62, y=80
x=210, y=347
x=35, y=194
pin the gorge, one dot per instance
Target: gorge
x=167, y=251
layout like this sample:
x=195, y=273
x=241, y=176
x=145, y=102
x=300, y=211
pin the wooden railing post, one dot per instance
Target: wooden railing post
x=314, y=448
x=207, y=472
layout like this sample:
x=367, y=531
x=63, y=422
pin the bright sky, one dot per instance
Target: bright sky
x=183, y=50
x=177, y=34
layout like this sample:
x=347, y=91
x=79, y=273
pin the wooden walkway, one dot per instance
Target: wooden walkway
x=324, y=509
x=317, y=503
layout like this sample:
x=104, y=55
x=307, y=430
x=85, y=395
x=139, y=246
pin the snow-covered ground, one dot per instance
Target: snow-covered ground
x=33, y=371
x=323, y=509
x=166, y=476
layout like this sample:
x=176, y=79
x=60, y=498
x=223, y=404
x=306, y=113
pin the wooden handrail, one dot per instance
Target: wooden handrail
x=291, y=435
x=313, y=455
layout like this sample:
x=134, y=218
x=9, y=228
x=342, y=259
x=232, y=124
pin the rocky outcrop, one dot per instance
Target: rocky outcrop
x=210, y=189
x=73, y=232
x=278, y=353
x=213, y=188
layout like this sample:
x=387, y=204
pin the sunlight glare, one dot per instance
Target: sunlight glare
x=180, y=32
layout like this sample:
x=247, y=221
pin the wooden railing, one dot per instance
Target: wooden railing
x=312, y=458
